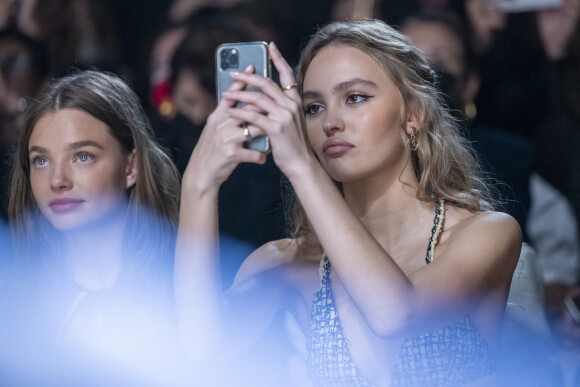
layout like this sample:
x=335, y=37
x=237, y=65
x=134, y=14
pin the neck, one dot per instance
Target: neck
x=386, y=205
x=382, y=194
x=94, y=255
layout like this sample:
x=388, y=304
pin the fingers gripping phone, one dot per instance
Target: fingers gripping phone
x=236, y=57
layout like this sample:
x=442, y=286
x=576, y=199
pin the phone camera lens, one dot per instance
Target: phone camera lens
x=229, y=59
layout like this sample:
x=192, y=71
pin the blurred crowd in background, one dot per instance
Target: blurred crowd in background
x=511, y=75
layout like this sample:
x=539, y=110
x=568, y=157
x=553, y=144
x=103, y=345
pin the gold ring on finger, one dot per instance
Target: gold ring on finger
x=290, y=87
x=247, y=132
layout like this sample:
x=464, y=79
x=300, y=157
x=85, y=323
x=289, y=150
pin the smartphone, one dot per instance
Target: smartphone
x=236, y=57
x=573, y=306
x=526, y=5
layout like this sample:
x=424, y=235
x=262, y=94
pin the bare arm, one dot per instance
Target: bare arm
x=478, y=261
x=200, y=309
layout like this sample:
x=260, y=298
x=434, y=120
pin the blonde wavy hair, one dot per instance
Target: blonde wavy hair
x=444, y=162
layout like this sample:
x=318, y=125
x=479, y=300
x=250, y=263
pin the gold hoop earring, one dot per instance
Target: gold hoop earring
x=412, y=140
x=470, y=110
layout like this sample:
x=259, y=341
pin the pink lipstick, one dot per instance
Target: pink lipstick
x=64, y=205
x=336, y=147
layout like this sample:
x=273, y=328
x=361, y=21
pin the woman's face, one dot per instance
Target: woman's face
x=78, y=172
x=353, y=115
x=191, y=99
x=444, y=50
x=439, y=44
x=486, y=20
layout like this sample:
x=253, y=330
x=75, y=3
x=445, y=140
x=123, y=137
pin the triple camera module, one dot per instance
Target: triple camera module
x=229, y=59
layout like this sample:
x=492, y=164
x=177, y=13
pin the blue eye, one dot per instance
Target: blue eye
x=39, y=161
x=85, y=157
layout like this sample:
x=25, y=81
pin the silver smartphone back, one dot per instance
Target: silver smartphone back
x=236, y=57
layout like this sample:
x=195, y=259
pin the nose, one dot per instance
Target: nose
x=60, y=179
x=332, y=122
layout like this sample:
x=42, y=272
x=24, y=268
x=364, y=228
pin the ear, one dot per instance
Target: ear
x=413, y=121
x=131, y=169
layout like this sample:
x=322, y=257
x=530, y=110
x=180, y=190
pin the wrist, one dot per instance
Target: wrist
x=196, y=186
x=311, y=182
x=303, y=168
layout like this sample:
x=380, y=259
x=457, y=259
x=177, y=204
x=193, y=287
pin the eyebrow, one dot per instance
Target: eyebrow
x=343, y=86
x=81, y=144
x=72, y=146
x=37, y=149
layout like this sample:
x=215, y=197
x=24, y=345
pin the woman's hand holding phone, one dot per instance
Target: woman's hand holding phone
x=283, y=120
x=219, y=149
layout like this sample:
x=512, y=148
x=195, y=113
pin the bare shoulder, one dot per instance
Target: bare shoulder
x=495, y=234
x=483, y=225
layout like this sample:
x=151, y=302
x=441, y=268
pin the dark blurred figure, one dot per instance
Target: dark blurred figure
x=514, y=81
x=261, y=19
x=558, y=141
x=181, y=10
x=530, y=65
x=158, y=78
x=392, y=11
x=557, y=137
x=531, y=86
x=80, y=33
x=509, y=157
x=137, y=22
x=296, y=19
x=23, y=71
x=251, y=210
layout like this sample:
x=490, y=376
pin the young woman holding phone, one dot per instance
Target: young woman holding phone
x=398, y=271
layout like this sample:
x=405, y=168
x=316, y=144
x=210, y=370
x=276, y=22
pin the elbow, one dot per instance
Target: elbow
x=392, y=323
